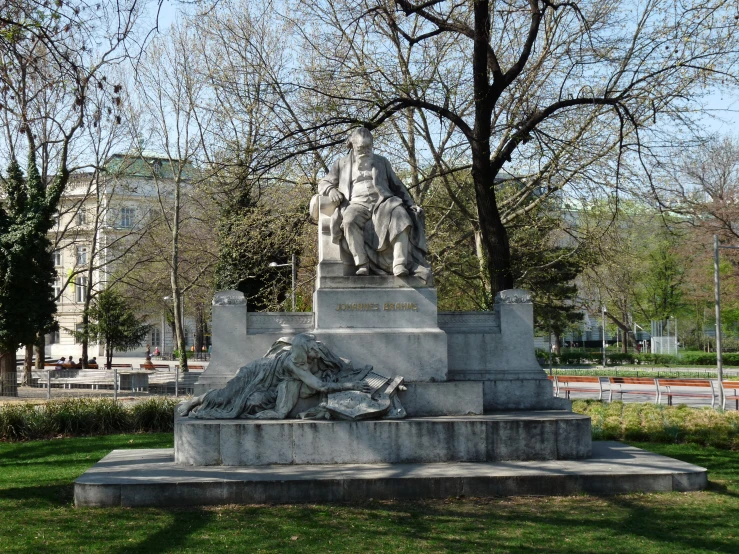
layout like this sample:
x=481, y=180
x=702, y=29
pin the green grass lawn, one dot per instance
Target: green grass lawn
x=37, y=515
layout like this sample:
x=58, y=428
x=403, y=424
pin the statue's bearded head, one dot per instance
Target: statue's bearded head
x=361, y=142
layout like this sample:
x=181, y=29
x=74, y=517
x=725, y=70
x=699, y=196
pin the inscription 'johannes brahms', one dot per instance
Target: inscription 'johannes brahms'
x=385, y=307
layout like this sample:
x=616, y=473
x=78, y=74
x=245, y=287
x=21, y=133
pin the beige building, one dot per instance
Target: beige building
x=100, y=220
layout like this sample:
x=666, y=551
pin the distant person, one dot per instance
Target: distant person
x=148, y=352
x=78, y=365
x=60, y=363
x=70, y=363
x=93, y=363
x=156, y=352
x=147, y=364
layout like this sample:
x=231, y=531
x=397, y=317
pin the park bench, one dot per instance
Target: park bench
x=564, y=383
x=155, y=367
x=731, y=392
x=679, y=388
x=122, y=366
x=632, y=385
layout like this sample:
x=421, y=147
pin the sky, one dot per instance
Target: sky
x=722, y=107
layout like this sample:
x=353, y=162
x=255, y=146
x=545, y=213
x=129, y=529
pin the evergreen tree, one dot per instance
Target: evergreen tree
x=547, y=261
x=113, y=324
x=27, y=272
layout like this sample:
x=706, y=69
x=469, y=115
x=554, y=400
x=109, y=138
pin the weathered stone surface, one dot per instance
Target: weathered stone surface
x=140, y=478
x=354, y=405
x=439, y=399
x=502, y=436
x=375, y=308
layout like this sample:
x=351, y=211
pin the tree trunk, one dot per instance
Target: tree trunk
x=8, y=378
x=108, y=357
x=40, y=351
x=494, y=234
x=199, y=330
x=28, y=365
x=557, y=343
x=625, y=328
x=175, y=282
x=85, y=340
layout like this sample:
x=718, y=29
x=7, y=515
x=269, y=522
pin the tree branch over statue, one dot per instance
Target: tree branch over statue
x=561, y=94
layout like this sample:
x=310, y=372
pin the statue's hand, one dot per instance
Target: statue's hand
x=416, y=209
x=362, y=386
x=335, y=196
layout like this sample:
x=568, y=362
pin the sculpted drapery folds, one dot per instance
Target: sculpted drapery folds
x=269, y=388
x=376, y=220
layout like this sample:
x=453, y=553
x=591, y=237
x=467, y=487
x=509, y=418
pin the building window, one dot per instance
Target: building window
x=156, y=337
x=57, y=289
x=57, y=257
x=127, y=215
x=81, y=255
x=81, y=217
x=80, y=289
x=53, y=337
x=79, y=327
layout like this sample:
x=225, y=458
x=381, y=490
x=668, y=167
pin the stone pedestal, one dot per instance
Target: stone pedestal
x=506, y=436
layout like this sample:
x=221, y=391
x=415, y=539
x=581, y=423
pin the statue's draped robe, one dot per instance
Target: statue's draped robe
x=269, y=384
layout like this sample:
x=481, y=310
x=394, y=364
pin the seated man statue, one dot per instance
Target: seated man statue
x=376, y=220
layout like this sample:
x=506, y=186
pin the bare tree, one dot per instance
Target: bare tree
x=172, y=122
x=52, y=55
x=564, y=95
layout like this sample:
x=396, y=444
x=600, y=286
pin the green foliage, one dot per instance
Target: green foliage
x=84, y=416
x=254, y=231
x=546, y=261
x=113, y=324
x=658, y=423
x=26, y=267
x=661, y=294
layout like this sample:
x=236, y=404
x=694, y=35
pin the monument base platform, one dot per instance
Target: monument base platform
x=149, y=477
x=487, y=438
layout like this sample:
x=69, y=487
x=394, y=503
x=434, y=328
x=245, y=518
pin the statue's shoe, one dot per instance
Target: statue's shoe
x=363, y=270
x=400, y=271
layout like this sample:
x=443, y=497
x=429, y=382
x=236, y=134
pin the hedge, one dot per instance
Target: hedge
x=84, y=416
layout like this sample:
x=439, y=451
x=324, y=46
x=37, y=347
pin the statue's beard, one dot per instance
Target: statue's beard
x=364, y=154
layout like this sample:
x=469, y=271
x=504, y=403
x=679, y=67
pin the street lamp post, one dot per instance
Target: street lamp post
x=292, y=265
x=717, y=295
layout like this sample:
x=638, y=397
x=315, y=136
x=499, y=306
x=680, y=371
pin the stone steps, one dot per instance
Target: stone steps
x=147, y=477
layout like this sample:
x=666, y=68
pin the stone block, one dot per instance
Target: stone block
x=408, y=441
x=505, y=436
x=256, y=443
x=570, y=443
x=438, y=399
x=97, y=496
x=375, y=308
x=416, y=354
x=197, y=442
x=522, y=439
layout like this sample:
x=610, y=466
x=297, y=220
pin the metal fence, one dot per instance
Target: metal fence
x=656, y=372
x=112, y=383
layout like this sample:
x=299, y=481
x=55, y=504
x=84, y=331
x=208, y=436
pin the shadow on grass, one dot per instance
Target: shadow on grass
x=170, y=537
x=80, y=447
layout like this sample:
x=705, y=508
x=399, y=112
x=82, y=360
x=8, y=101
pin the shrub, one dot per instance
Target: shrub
x=617, y=358
x=84, y=416
x=654, y=423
